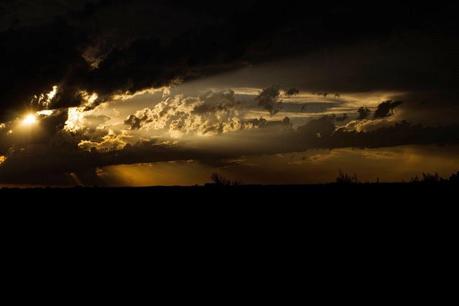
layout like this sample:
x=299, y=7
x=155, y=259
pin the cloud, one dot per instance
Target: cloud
x=364, y=113
x=76, y=143
x=113, y=47
x=58, y=159
x=269, y=100
x=318, y=128
x=292, y=92
x=374, y=134
x=109, y=143
x=210, y=114
x=432, y=108
x=366, y=125
x=386, y=109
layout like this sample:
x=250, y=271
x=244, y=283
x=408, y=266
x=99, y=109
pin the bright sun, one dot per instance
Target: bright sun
x=29, y=120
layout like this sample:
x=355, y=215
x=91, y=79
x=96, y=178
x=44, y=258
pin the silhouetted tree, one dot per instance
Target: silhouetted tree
x=427, y=178
x=454, y=178
x=344, y=178
x=220, y=181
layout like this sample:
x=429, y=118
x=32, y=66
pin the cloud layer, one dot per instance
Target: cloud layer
x=108, y=46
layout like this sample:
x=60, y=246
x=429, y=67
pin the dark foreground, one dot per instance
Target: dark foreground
x=342, y=217
x=442, y=193
x=313, y=209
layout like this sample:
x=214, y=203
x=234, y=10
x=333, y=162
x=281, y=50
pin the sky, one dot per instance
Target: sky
x=144, y=93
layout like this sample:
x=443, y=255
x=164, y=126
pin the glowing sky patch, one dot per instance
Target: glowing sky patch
x=29, y=120
x=311, y=167
x=52, y=93
x=74, y=121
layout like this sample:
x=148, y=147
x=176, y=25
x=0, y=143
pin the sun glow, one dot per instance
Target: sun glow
x=29, y=120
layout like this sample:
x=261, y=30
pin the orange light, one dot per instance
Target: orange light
x=29, y=120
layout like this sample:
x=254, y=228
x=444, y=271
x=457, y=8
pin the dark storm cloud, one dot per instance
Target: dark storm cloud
x=53, y=162
x=111, y=46
x=385, y=109
x=269, y=100
x=34, y=59
x=430, y=107
x=322, y=133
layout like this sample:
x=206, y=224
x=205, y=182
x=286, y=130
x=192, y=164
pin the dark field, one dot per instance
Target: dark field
x=442, y=193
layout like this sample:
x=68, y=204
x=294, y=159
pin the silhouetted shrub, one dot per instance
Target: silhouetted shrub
x=344, y=178
x=221, y=181
x=454, y=178
x=427, y=178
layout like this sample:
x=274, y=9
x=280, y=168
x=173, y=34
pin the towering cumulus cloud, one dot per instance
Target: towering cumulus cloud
x=212, y=113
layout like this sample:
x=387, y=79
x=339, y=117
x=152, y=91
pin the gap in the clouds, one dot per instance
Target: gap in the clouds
x=300, y=108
